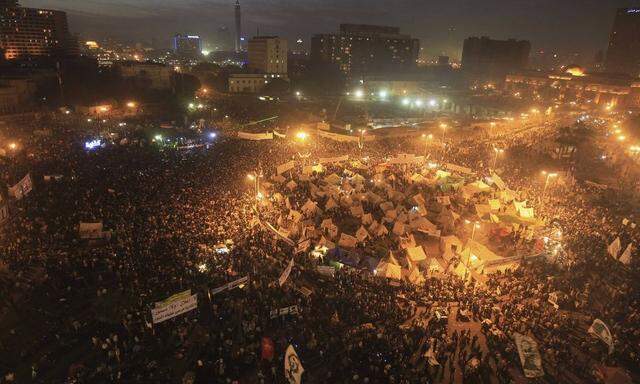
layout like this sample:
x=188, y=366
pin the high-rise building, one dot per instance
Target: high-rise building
x=366, y=49
x=268, y=54
x=238, y=27
x=34, y=32
x=488, y=58
x=623, y=54
x=187, y=46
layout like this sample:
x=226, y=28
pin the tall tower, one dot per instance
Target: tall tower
x=238, y=27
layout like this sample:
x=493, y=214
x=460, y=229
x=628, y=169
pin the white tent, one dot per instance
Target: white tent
x=416, y=254
x=389, y=270
x=347, y=241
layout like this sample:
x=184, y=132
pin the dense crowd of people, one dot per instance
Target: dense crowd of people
x=78, y=311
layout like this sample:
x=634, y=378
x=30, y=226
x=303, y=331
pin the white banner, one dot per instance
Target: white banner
x=90, y=230
x=498, y=181
x=174, y=308
x=326, y=270
x=292, y=310
x=600, y=330
x=293, y=369
x=285, y=274
x=338, y=137
x=22, y=188
x=229, y=286
x=459, y=169
x=329, y=160
x=529, y=356
x=285, y=167
x=614, y=248
x=255, y=136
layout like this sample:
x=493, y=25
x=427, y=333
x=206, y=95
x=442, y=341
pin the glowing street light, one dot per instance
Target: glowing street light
x=406, y=101
x=419, y=103
x=359, y=93
x=498, y=151
x=13, y=146
x=302, y=136
x=157, y=137
x=548, y=175
x=131, y=104
x=383, y=94
x=427, y=139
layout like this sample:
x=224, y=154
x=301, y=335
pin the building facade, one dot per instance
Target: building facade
x=187, y=46
x=483, y=57
x=250, y=82
x=268, y=54
x=153, y=75
x=623, y=53
x=34, y=32
x=359, y=50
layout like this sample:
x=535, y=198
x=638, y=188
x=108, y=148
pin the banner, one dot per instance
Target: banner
x=624, y=259
x=326, y=270
x=255, y=136
x=614, y=248
x=498, y=181
x=600, y=330
x=52, y=177
x=230, y=286
x=292, y=310
x=282, y=235
x=406, y=158
x=330, y=160
x=529, y=356
x=293, y=369
x=282, y=168
x=90, y=230
x=278, y=134
x=459, y=169
x=285, y=274
x=22, y=188
x=174, y=308
x=338, y=137
x=174, y=297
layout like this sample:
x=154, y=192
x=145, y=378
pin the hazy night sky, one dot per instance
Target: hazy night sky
x=563, y=25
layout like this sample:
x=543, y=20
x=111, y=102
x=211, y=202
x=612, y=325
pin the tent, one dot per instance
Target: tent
x=434, y=266
x=362, y=234
x=326, y=223
x=450, y=245
x=347, y=241
x=357, y=211
x=331, y=204
x=476, y=255
x=309, y=207
x=278, y=179
x=292, y=185
x=333, y=179
x=381, y=230
x=407, y=242
x=398, y=228
x=416, y=254
x=416, y=277
x=367, y=219
x=388, y=270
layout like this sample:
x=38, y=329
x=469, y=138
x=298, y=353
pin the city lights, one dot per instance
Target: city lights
x=359, y=93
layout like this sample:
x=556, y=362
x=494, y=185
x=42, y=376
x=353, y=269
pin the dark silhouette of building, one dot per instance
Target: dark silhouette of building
x=34, y=32
x=359, y=50
x=486, y=58
x=224, y=39
x=623, y=54
x=268, y=54
x=187, y=46
x=238, y=27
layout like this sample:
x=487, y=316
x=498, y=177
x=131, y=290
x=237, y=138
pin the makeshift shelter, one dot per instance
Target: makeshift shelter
x=367, y=219
x=416, y=254
x=331, y=204
x=357, y=211
x=333, y=179
x=309, y=207
x=347, y=241
x=388, y=270
x=399, y=228
x=476, y=255
x=292, y=185
x=450, y=246
x=278, y=179
x=362, y=234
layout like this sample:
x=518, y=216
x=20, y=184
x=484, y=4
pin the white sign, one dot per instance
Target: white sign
x=22, y=188
x=285, y=274
x=174, y=308
x=292, y=310
x=326, y=270
x=293, y=369
x=230, y=286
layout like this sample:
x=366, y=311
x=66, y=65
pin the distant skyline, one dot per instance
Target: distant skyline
x=565, y=26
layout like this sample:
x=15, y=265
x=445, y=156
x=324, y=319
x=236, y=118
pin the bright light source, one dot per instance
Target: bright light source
x=406, y=101
x=200, y=106
x=212, y=135
x=13, y=146
x=383, y=94
x=433, y=103
x=359, y=93
x=202, y=267
x=419, y=103
x=191, y=105
x=131, y=104
x=298, y=93
x=89, y=120
x=251, y=177
x=67, y=112
x=206, y=53
x=92, y=144
x=158, y=137
x=301, y=135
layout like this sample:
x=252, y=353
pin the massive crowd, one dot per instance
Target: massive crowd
x=78, y=311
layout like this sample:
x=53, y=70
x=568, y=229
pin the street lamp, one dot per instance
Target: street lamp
x=498, y=151
x=546, y=180
x=131, y=104
x=13, y=146
x=302, y=136
x=427, y=139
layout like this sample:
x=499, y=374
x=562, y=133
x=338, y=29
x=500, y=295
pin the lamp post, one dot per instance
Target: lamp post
x=548, y=175
x=427, y=139
x=498, y=151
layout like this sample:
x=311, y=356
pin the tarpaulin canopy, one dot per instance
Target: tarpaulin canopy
x=416, y=254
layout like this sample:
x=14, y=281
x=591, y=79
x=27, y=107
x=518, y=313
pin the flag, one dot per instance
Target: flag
x=529, y=356
x=285, y=274
x=268, y=349
x=293, y=369
x=614, y=248
x=625, y=258
x=600, y=330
